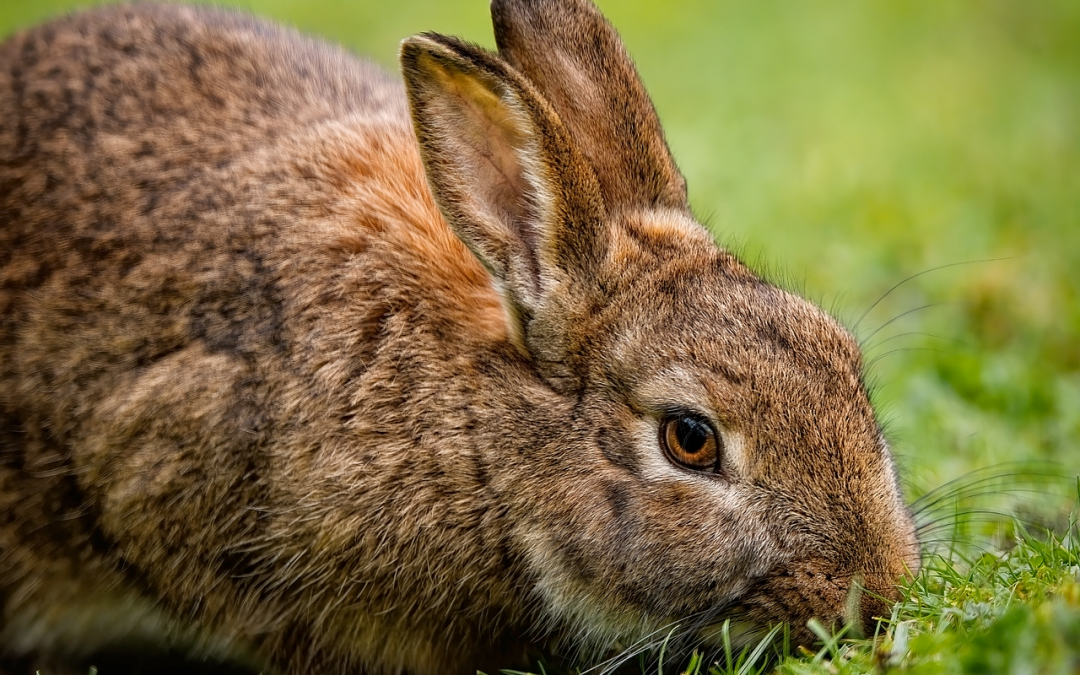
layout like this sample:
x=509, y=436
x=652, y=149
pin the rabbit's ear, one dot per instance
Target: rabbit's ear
x=504, y=172
x=574, y=56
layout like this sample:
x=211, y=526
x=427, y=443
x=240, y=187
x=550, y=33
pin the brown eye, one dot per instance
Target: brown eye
x=690, y=442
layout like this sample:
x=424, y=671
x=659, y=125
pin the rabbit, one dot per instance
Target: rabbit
x=308, y=370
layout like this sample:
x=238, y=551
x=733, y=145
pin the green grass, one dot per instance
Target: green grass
x=853, y=146
x=999, y=612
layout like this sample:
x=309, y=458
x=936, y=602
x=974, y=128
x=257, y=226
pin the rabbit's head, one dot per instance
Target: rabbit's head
x=723, y=459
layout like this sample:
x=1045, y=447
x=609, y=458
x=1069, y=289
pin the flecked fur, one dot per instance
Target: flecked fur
x=268, y=399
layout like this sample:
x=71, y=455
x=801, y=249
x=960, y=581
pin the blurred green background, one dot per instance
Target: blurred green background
x=843, y=147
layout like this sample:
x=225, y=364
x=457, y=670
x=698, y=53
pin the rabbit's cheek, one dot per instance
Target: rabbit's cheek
x=700, y=551
x=736, y=460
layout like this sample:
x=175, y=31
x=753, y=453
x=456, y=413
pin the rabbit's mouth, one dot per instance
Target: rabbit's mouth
x=783, y=605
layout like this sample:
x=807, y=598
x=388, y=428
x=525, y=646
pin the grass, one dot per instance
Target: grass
x=999, y=611
x=857, y=145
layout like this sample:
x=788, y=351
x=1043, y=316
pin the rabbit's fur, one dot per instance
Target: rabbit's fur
x=259, y=399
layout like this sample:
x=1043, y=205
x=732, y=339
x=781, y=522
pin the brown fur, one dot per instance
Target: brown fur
x=259, y=401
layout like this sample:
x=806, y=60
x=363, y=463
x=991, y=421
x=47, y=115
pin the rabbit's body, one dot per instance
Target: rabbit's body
x=258, y=398
x=162, y=280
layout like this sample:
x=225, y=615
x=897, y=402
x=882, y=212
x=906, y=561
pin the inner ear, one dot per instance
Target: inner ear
x=492, y=141
x=512, y=185
x=482, y=151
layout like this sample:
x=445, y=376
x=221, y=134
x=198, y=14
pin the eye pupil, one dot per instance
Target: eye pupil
x=690, y=442
x=691, y=434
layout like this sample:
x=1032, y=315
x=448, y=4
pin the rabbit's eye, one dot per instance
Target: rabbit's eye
x=690, y=442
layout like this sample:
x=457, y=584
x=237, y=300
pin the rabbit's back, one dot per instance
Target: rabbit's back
x=175, y=175
x=225, y=81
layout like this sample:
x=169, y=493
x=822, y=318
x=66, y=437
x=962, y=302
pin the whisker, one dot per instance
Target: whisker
x=901, y=349
x=897, y=285
x=952, y=521
x=985, y=475
x=870, y=348
x=902, y=315
x=946, y=503
x=647, y=643
x=970, y=516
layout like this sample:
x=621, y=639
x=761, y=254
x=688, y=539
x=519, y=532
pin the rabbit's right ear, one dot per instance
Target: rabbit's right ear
x=505, y=174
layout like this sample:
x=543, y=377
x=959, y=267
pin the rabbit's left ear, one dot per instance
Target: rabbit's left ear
x=505, y=174
x=575, y=58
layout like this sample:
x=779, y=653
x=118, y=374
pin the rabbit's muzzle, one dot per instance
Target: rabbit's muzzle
x=814, y=590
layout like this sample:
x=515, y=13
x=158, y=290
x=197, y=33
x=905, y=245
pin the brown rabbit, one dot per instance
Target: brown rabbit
x=295, y=377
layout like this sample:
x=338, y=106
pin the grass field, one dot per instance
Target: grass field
x=843, y=148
